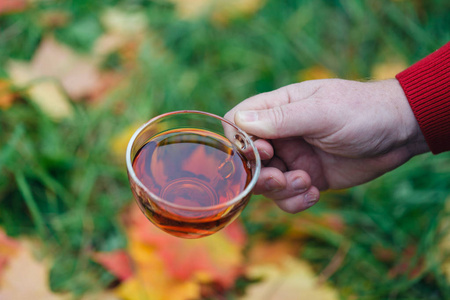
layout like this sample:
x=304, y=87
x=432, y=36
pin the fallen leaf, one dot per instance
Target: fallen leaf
x=117, y=262
x=9, y=6
x=219, y=11
x=54, y=18
x=166, y=267
x=218, y=256
x=26, y=278
x=120, y=141
x=387, y=70
x=8, y=248
x=7, y=96
x=409, y=264
x=264, y=252
x=151, y=279
x=77, y=74
x=290, y=279
x=47, y=94
x=315, y=72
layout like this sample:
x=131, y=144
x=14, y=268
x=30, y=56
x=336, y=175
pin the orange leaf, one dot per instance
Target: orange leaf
x=8, y=247
x=315, y=72
x=6, y=95
x=8, y=6
x=117, y=262
x=215, y=258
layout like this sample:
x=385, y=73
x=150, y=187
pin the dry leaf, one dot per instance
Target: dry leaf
x=165, y=267
x=9, y=6
x=77, y=74
x=315, y=72
x=388, y=69
x=26, y=278
x=220, y=11
x=120, y=141
x=46, y=94
x=6, y=95
x=218, y=256
x=292, y=279
x=117, y=262
x=408, y=265
x=151, y=279
x=263, y=252
x=8, y=248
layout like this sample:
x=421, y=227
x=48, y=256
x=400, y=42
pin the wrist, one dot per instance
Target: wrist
x=412, y=137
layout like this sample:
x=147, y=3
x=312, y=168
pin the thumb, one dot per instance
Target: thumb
x=294, y=119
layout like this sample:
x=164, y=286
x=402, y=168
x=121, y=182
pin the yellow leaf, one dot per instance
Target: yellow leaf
x=151, y=280
x=315, y=72
x=387, y=70
x=294, y=279
x=50, y=99
x=124, y=23
x=220, y=11
x=26, y=278
x=120, y=141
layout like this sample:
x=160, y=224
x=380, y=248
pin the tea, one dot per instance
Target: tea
x=194, y=171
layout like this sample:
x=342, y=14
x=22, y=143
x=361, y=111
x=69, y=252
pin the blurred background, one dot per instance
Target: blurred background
x=78, y=77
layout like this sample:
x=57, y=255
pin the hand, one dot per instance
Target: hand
x=327, y=134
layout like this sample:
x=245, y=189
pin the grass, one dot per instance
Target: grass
x=62, y=183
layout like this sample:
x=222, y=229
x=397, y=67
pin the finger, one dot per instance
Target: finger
x=297, y=182
x=265, y=149
x=270, y=179
x=304, y=118
x=287, y=94
x=299, y=202
x=276, y=162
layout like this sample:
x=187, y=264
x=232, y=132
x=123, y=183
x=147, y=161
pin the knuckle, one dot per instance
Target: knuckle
x=278, y=117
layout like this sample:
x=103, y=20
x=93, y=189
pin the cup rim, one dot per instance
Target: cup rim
x=248, y=189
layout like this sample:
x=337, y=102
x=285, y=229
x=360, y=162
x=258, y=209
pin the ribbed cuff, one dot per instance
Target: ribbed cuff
x=427, y=86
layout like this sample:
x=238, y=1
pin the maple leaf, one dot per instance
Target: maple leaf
x=117, y=262
x=166, y=267
x=25, y=277
x=217, y=257
x=289, y=279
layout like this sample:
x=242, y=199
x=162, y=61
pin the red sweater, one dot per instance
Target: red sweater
x=427, y=87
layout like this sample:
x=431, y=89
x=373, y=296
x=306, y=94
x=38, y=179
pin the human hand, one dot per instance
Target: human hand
x=327, y=134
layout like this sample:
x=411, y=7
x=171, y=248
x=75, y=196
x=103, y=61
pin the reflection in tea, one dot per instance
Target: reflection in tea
x=192, y=168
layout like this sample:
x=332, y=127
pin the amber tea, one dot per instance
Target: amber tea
x=195, y=180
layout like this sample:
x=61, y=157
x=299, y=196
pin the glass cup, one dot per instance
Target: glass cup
x=191, y=172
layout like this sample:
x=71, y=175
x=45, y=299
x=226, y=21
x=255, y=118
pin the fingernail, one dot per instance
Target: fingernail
x=273, y=185
x=310, y=199
x=299, y=184
x=247, y=116
x=265, y=154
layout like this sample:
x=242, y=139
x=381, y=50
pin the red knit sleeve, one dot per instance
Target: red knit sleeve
x=427, y=86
